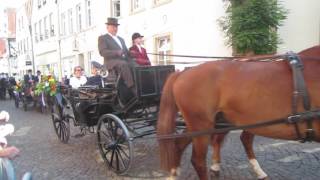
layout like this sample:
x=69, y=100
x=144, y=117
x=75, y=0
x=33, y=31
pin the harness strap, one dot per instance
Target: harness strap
x=300, y=91
x=296, y=118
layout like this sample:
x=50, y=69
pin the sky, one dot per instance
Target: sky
x=10, y=3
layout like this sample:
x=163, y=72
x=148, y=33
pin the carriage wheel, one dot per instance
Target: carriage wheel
x=61, y=124
x=115, y=144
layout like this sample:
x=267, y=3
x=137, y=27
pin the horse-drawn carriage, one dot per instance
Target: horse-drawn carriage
x=34, y=94
x=116, y=119
x=23, y=94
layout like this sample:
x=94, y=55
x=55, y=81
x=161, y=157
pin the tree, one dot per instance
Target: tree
x=250, y=26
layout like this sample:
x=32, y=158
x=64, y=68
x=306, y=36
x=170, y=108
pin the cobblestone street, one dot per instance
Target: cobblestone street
x=49, y=159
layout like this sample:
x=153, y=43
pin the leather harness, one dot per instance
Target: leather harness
x=300, y=92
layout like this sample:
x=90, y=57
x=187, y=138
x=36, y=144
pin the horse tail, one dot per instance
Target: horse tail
x=166, y=123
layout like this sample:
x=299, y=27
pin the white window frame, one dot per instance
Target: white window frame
x=45, y=25
x=51, y=26
x=63, y=23
x=164, y=49
x=79, y=17
x=160, y=2
x=70, y=21
x=40, y=30
x=115, y=8
x=35, y=32
x=137, y=5
x=88, y=13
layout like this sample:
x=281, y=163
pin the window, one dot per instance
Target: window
x=22, y=24
x=19, y=24
x=163, y=47
x=115, y=8
x=24, y=46
x=40, y=30
x=70, y=21
x=88, y=13
x=39, y=4
x=45, y=26
x=159, y=2
x=51, y=25
x=136, y=5
x=35, y=32
x=63, y=24
x=78, y=18
x=27, y=44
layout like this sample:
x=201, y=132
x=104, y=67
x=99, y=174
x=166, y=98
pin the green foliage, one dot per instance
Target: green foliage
x=251, y=26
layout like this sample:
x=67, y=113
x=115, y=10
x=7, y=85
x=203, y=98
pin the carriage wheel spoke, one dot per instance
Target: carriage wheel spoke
x=121, y=158
x=123, y=151
x=117, y=159
x=112, y=156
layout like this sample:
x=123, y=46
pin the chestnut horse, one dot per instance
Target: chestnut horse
x=246, y=92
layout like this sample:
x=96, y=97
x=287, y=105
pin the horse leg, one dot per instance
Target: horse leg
x=247, y=141
x=181, y=144
x=216, y=142
x=199, y=154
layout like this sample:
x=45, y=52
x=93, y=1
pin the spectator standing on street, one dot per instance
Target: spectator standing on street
x=137, y=52
x=78, y=79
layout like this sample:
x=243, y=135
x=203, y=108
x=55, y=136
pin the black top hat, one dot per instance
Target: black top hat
x=136, y=35
x=112, y=21
x=95, y=64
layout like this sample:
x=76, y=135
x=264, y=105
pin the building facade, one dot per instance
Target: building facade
x=65, y=33
x=8, y=61
x=301, y=29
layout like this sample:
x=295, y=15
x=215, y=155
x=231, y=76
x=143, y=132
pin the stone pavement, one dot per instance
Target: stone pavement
x=48, y=159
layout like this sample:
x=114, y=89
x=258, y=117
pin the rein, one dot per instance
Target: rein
x=262, y=58
x=305, y=116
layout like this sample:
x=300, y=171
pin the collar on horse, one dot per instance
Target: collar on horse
x=300, y=92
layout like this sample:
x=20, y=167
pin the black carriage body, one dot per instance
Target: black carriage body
x=118, y=122
x=150, y=80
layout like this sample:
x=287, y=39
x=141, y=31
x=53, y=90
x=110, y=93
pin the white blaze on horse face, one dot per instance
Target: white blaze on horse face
x=256, y=167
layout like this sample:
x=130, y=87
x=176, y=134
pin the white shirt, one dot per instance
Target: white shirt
x=139, y=47
x=77, y=82
x=115, y=38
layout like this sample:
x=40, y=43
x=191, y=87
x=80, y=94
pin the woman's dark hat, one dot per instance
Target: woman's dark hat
x=95, y=64
x=112, y=21
x=136, y=35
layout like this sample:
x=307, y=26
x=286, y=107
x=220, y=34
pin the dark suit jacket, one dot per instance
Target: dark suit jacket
x=94, y=81
x=141, y=58
x=26, y=78
x=111, y=51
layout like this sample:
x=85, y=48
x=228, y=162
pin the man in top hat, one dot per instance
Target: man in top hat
x=115, y=53
x=137, y=51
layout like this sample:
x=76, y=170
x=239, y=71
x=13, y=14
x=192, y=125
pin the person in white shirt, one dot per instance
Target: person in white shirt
x=78, y=79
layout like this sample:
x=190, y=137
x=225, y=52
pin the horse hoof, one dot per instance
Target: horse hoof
x=215, y=173
x=265, y=178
